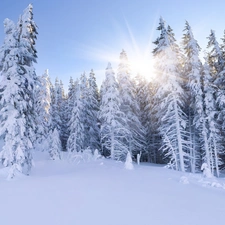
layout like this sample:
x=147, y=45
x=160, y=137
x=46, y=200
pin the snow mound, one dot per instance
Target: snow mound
x=218, y=185
x=184, y=180
x=128, y=163
x=6, y=171
x=85, y=156
x=206, y=171
x=212, y=183
x=97, y=155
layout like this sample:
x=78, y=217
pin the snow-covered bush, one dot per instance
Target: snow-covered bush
x=96, y=154
x=87, y=155
x=184, y=180
x=128, y=163
x=84, y=156
x=206, y=171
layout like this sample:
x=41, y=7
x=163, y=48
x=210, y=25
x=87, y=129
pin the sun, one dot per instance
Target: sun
x=142, y=65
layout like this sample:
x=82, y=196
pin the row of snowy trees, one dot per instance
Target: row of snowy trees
x=190, y=98
x=177, y=118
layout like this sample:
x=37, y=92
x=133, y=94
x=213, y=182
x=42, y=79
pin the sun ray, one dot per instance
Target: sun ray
x=140, y=58
x=139, y=54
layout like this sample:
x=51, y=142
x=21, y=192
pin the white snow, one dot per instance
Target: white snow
x=103, y=192
x=184, y=180
x=206, y=171
x=128, y=164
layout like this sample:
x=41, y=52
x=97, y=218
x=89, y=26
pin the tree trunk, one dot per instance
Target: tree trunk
x=180, y=149
x=112, y=151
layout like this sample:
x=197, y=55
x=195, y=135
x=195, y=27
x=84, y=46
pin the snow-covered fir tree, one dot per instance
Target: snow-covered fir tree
x=113, y=130
x=68, y=105
x=196, y=118
x=75, y=142
x=55, y=146
x=171, y=99
x=56, y=100
x=153, y=121
x=215, y=55
x=142, y=94
x=17, y=97
x=216, y=149
x=27, y=34
x=42, y=107
x=93, y=110
x=216, y=59
x=9, y=41
x=70, y=99
x=222, y=46
x=136, y=139
x=64, y=118
x=85, y=112
x=216, y=64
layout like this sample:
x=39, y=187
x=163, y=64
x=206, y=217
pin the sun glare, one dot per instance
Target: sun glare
x=142, y=66
x=138, y=53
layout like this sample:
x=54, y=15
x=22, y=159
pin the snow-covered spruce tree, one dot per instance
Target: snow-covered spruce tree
x=55, y=146
x=93, y=110
x=75, y=142
x=103, y=151
x=17, y=120
x=64, y=118
x=136, y=139
x=216, y=149
x=142, y=94
x=197, y=126
x=9, y=40
x=153, y=134
x=216, y=59
x=9, y=43
x=42, y=107
x=85, y=112
x=171, y=99
x=56, y=100
x=68, y=105
x=215, y=55
x=26, y=34
x=113, y=130
x=222, y=46
x=145, y=94
x=70, y=99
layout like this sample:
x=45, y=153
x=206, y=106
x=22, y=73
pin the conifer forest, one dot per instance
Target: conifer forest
x=177, y=118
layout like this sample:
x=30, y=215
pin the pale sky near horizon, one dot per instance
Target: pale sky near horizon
x=80, y=35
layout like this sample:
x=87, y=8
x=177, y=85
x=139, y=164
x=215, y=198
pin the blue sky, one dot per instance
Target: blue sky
x=78, y=35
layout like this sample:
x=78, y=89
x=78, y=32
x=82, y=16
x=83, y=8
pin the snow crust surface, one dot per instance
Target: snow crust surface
x=101, y=192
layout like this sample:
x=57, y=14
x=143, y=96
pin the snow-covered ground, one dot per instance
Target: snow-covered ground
x=103, y=192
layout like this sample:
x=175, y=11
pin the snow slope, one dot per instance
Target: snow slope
x=103, y=192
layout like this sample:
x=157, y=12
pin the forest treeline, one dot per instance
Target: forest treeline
x=177, y=118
